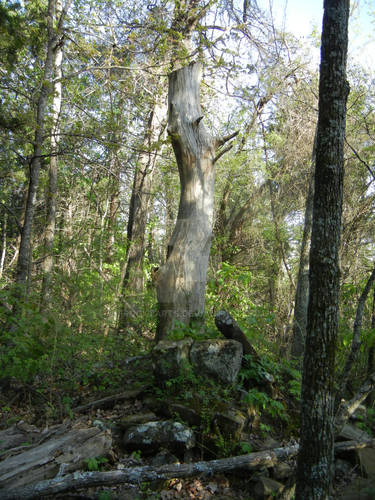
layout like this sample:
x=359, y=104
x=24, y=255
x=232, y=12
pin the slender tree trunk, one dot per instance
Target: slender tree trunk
x=49, y=237
x=3, y=244
x=25, y=244
x=356, y=342
x=182, y=279
x=371, y=352
x=138, y=214
x=314, y=466
x=23, y=263
x=302, y=289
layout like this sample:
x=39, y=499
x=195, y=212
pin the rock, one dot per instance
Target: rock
x=367, y=461
x=133, y=420
x=360, y=489
x=185, y=413
x=152, y=436
x=266, y=488
x=282, y=471
x=169, y=358
x=220, y=359
x=352, y=433
x=231, y=423
x=342, y=469
x=164, y=457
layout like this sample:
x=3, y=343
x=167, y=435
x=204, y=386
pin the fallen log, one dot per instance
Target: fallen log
x=109, y=401
x=68, y=449
x=135, y=475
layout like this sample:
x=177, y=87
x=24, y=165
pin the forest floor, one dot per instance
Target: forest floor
x=23, y=403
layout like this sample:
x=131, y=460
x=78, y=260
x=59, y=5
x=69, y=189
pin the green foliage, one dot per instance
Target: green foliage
x=263, y=402
x=96, y=463
x=105, y=495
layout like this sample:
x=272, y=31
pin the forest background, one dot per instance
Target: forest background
x=89, y=187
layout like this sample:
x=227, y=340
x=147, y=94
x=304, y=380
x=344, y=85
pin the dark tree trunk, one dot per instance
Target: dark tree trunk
x=314, y=467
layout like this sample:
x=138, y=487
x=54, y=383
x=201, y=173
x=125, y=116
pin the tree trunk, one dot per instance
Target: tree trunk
x=371, y=352
x=182, y=279
x=302, y=289
x=138, y=213
x=49, y=238
x=314, y=466
x=23, y=262
x=3, y=244
x=356, y=341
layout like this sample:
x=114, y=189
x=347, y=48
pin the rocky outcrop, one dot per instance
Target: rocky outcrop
x=215, y=358
x=220, y=359
x=153, y=436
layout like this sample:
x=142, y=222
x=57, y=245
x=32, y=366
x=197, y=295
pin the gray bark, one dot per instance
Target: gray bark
x=3, y=244
x=314, y=466
x=23, y=262
x=133, y=282
x=302, y=289
x=70, y=447
x=182, y=279
x=51, y=195
x=356, y=341
x=24, y=256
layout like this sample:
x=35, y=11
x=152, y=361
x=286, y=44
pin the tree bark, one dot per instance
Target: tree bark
x=3, y=244
x=356, y=341
x=24, y=256
x=371, y=352
x=182, y=279
x=51, y=195
x=301, y=298
x=138, y=214
x=69, y=447
x=315, y=459
x=23, y=262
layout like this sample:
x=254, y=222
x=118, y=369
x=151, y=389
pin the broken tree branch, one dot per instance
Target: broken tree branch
x=346, y=409
x=356, y=341
x=226, y=138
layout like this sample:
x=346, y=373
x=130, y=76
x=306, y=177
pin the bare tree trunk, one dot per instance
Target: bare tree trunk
x=49, y=238
x=23, y=263
x=3, y=244
x=356, y=341
x=138, y=212
x=182, y=280
x=371, y=352
x=315, y=459
x=25, y=244
x=302, y=289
